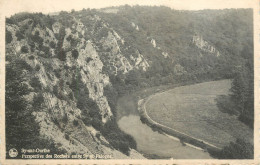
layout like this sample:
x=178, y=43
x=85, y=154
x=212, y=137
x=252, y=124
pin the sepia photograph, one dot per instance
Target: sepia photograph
x=143, y=81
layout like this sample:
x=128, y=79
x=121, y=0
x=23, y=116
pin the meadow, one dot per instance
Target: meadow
x=192, y=110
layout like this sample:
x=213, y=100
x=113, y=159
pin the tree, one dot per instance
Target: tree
x=239, y=149
x=118, y=139
x=242, y=93
x=133, y=78
x=21, y=129
x=36, y=38
x=8, y=37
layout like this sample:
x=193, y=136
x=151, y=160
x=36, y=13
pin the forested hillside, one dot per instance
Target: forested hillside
x=185, y=36
x=65, y=71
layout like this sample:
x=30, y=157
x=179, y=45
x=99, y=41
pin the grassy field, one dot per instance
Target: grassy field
x=192, y=110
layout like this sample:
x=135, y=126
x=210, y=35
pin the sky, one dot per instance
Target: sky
x=10, y=7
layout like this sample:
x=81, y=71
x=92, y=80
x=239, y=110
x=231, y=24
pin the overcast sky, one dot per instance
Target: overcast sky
x=9, y=7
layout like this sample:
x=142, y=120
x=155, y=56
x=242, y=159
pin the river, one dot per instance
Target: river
x=153, y=143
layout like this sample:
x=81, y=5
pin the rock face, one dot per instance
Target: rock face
x=114, y=58
x=68, y=65
x=56, y=27
x=165, y=54
x=135, y=26
x=94, y=79
x=153, y=43
x=204, y=45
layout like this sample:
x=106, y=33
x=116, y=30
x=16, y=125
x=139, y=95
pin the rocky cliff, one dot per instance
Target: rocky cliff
x=204, y=45
x=66, y=63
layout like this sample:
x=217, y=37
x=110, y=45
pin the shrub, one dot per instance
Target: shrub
x=45, y=49
x=67, y=137
x=36, y=38
x=19, y=35
x=35, y=83
x=38, y=100
x=57, y=73
x=66, y=67
x=74, y=67
x=52, y=44
x=23, y=65
x=80, y=35
x=96, y=123
x=56, y=91
x=31, y=57
x=49, y=76
x=89, y=59
x=37, y=33
x=25, y=49
x=37, y=68
x=87, y=121
x=73, y=42
x=56, y=122
x=69, y=38
x=62, y=55
x=65, y=119
x=95, y=87
x=98, y=135
x=75, y=123
x=32, y=46
x=8, y=37
x=75, y=54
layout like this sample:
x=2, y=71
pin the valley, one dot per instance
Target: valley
x=75, y=82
